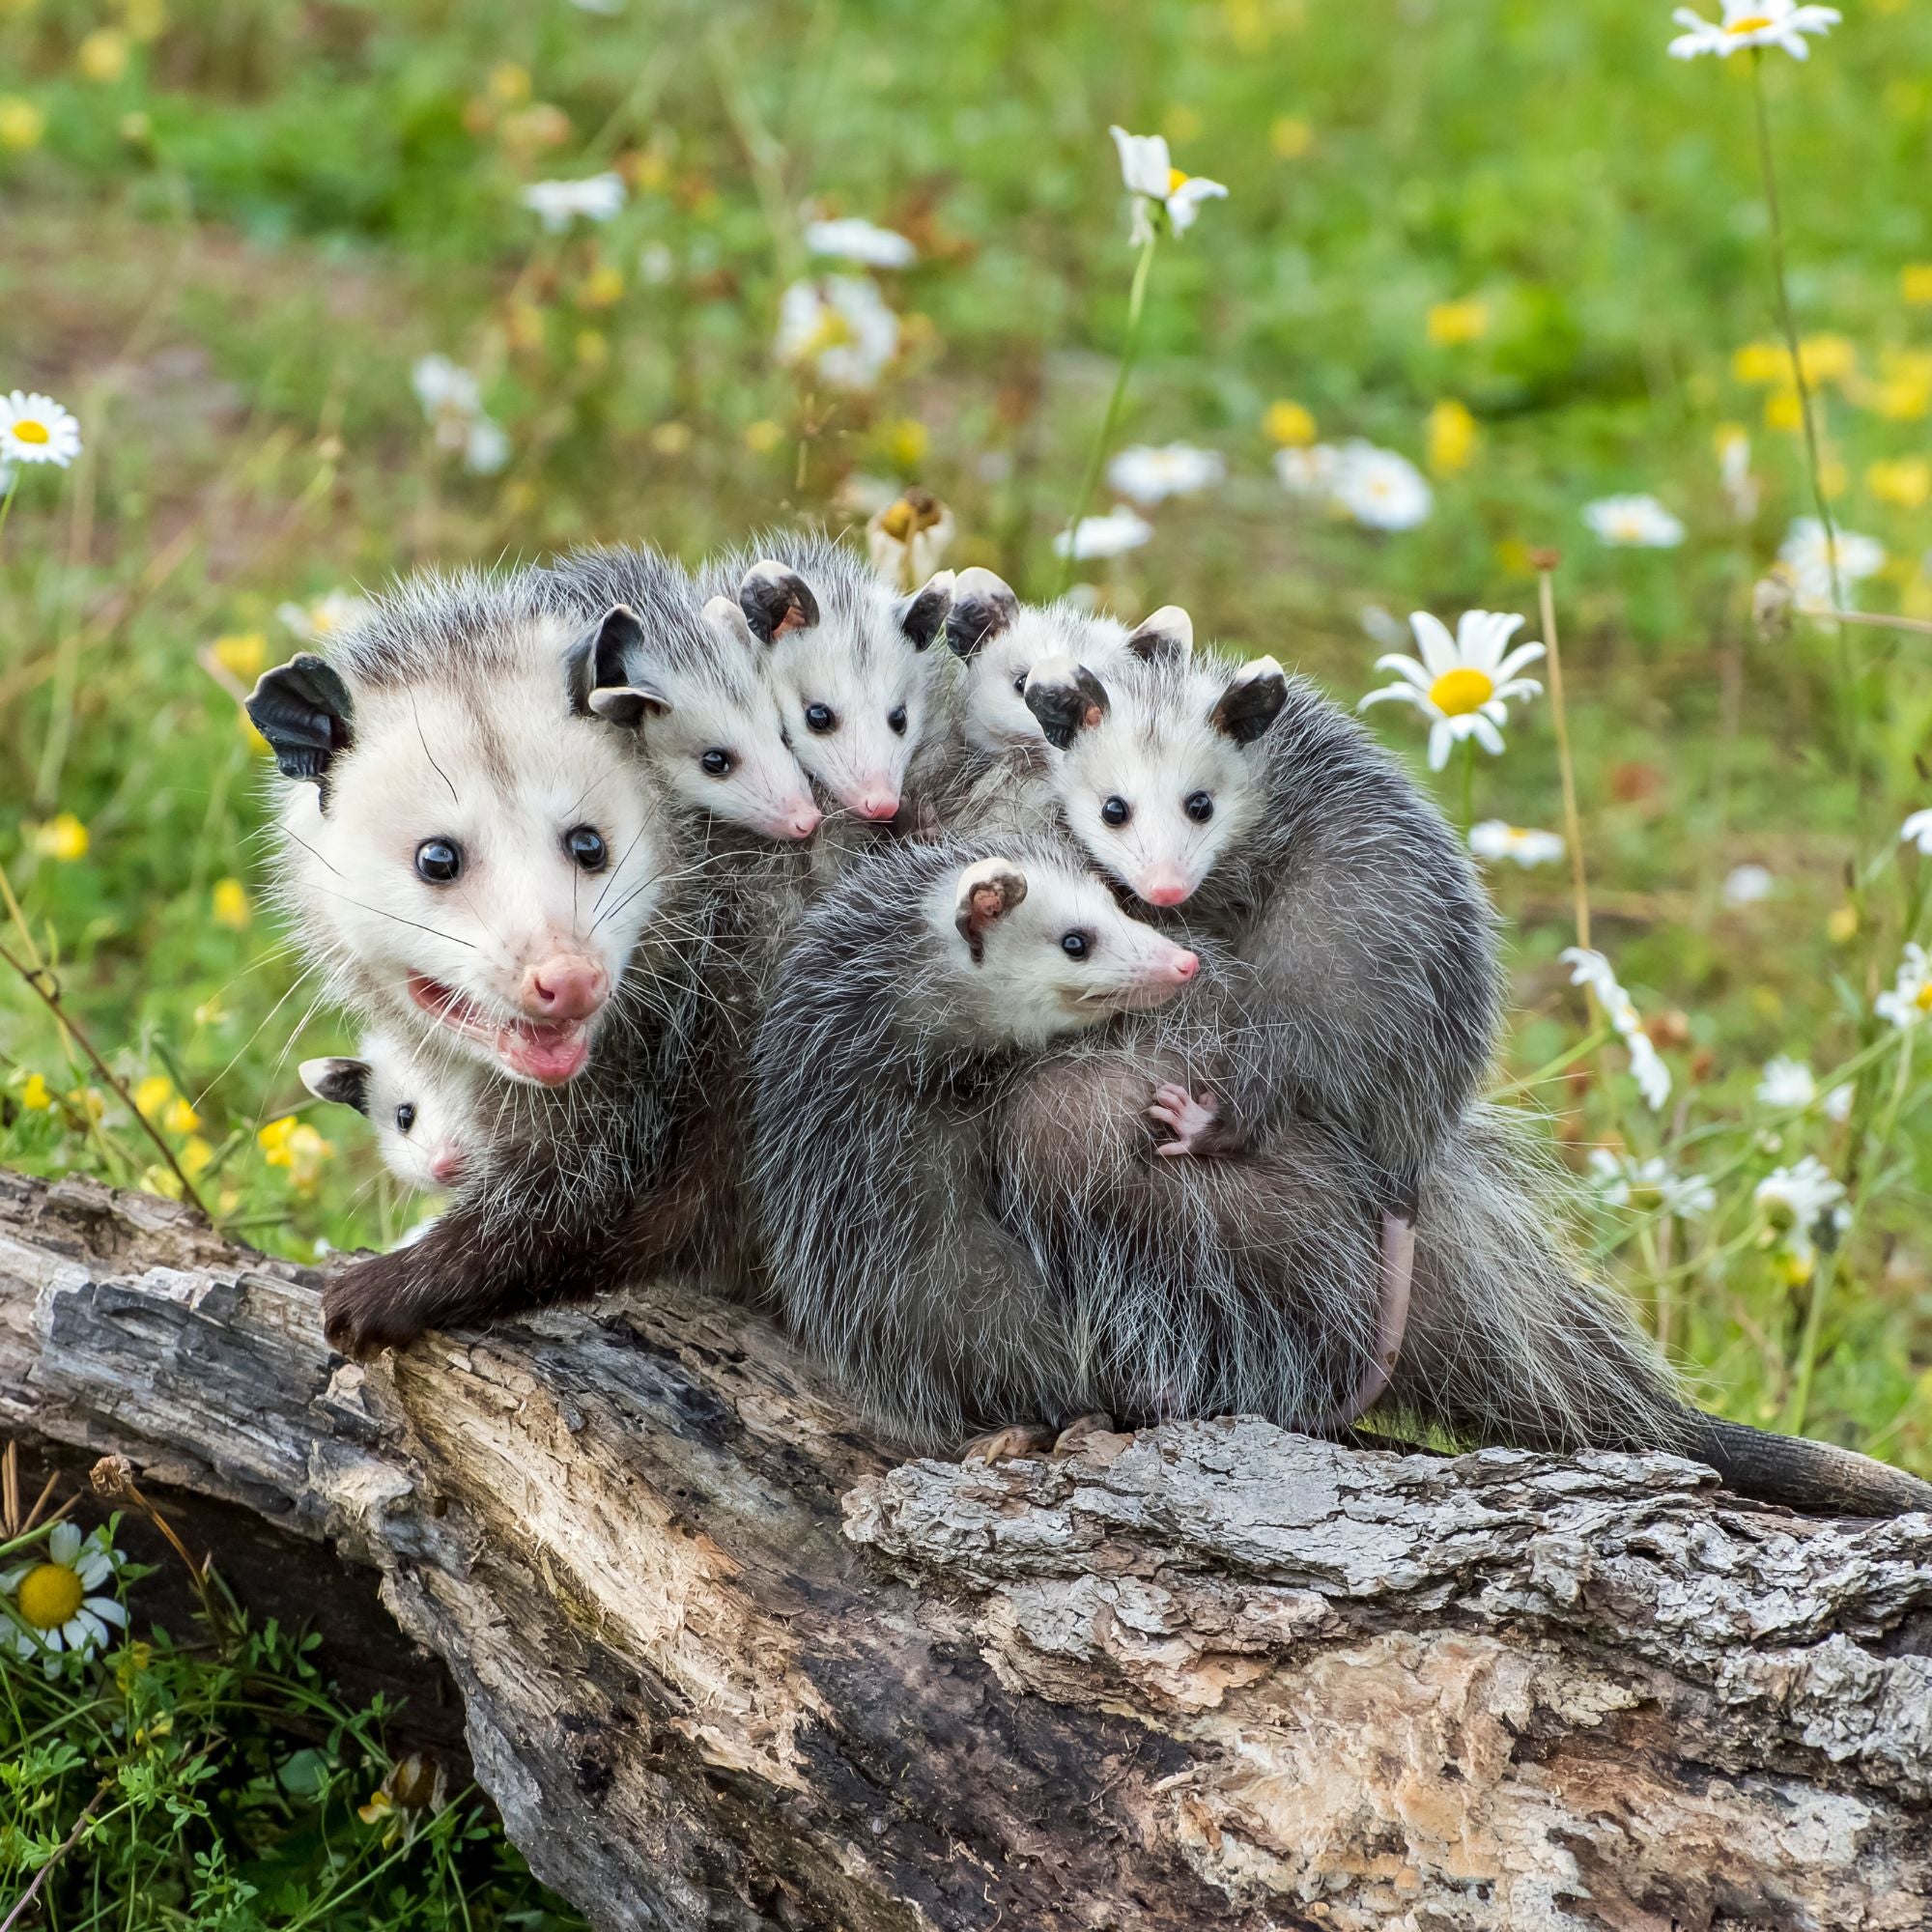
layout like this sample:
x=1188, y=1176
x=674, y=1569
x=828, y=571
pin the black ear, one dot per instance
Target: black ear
x=302, y=709
x=776, y=600
x=1168, y=633
x=982, y=607
x=921, y=613
x=1251, y=702
x=344, y=1081
x=1067, y=698
x=989, y=890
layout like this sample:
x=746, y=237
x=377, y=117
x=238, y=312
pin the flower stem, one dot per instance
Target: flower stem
x=1800, y=1403
x=1787, y=320
x=7, y=502
x=1572, y=826
x=1129, y=349
x=1468, y=786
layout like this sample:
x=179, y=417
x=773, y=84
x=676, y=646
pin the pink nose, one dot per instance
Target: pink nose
x=566, y=987
x=447, y=1165
x=803, y=819
x=1164, y=886
x=877, y=804
x=1183, y=966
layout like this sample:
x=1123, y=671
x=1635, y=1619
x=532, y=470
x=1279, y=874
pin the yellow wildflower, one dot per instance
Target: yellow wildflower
x=1452, y=437
x=1452, y=324
x=509, y=83
x=195, y=1156
x=763, y=436
x=593, y=348
x=35, y=1095
x=21, y=123
x=1826, y=358
x=1843, y=926
x=63, y=838
x=602, y=286
x=102, y=56
x=295, y=1146
x=1291, y=137
x=1914, y=282
x=1759, y=362
x=904, y=442
x=178, y=1116
x=230, y=905
x=153, y=1093
x=1907, y=482
x=1782, y=410
x=1289, y=424
x=88, y=1100
x=245, y=653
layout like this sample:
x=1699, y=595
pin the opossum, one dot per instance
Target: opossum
x=849, y=661
x=706, y=717
x=475, y=854
x=429, y=1112
x=1243, y=796
x=910, y=990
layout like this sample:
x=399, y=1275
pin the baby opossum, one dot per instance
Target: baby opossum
x=473, y=854
x=1370, y=1009
x=849, y=661
x=705, y=716
x=875, y=1098
x=429, y=1112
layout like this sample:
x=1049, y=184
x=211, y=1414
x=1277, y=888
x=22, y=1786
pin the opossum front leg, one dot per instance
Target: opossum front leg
x=1193, y=1119
x=1030, y=1438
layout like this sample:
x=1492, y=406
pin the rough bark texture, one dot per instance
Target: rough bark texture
x=724, y=1665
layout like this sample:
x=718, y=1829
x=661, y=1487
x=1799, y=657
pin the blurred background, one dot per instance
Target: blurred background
x=335, y=290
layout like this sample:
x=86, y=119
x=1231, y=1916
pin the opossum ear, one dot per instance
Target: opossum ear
x=602, y=658
x=1168, y=633
x=302, y=708
x=343, y=1081
x=776, y=600
x=727, y=618
x=921, y=613
x=989, y=889
x=1251, y=702
x=1067, y=698
x=982, y=607
x=628, y=705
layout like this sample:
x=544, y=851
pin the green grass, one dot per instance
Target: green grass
x=226, y=257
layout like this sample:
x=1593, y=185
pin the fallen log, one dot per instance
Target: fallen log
x=724, y=1665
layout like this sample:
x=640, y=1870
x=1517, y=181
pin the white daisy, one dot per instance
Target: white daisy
x=841, y=327
x=1808, y=555
x=850, y=240
x=1838, y=1102
x=1116, y=533
x=1381, y=489
x=1162, y=194
x=1151, y=475
x=1309, y=470
x=1796, y=1199
x=324, y=615
x=35, y=429
x=452, y=399
x=1734, y=471
x=1918, y=830
x=1746, y=885
x=1496, y=840
x=1911, y=997
x=1635, y=522
x=558, y=203
x=907, y=540
x=1753, y=24
x=1787, y=1083
x=1625, y=1182
x=1462, y=683
x=1589, y=968
x=50, y=1595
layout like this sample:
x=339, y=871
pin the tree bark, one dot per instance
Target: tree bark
x=723, y=1664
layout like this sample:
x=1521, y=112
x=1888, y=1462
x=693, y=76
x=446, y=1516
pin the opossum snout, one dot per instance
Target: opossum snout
x=1163, y=884
x=566, y=986
x=446, y=1165
x=799, y=820
x=878, y=802
x=1183, y=966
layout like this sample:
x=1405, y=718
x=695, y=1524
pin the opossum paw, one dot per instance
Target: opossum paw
x=1081, y=1431
x=363, y=1309
x=1002, y=1445
x=1191, y=1118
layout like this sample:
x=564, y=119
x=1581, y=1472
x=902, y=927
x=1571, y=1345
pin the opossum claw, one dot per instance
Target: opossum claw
x=1002, y=1445
x=1080, y=1432
x=1192, y=1117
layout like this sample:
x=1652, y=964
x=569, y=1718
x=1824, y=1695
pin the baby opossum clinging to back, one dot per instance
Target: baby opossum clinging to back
x=430, y=1113
x=473, y=855
x=1371, y=1006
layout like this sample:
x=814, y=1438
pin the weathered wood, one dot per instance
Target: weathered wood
x=724, y=1665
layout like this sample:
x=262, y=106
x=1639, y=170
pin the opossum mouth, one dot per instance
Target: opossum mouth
x=550, y=1052
x=1123, y=999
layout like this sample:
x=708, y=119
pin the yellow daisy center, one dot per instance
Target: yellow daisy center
x=27, y=430
x=1175, y=179
x=1923, y=999
x=1458, y=691
x=51, y=1593
x=1750, y=24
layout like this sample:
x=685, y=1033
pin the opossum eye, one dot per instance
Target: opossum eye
x=1200, y=807
x=896, y=719
x=1019, y=683
x=1075, y=945
x=585, y=844
x=819, y=718
x=406, y=1117
x=438, y=861
x=1116, y=810
x=716, y=761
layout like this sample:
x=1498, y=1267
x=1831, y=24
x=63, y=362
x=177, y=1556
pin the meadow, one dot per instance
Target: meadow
x=295, y=271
